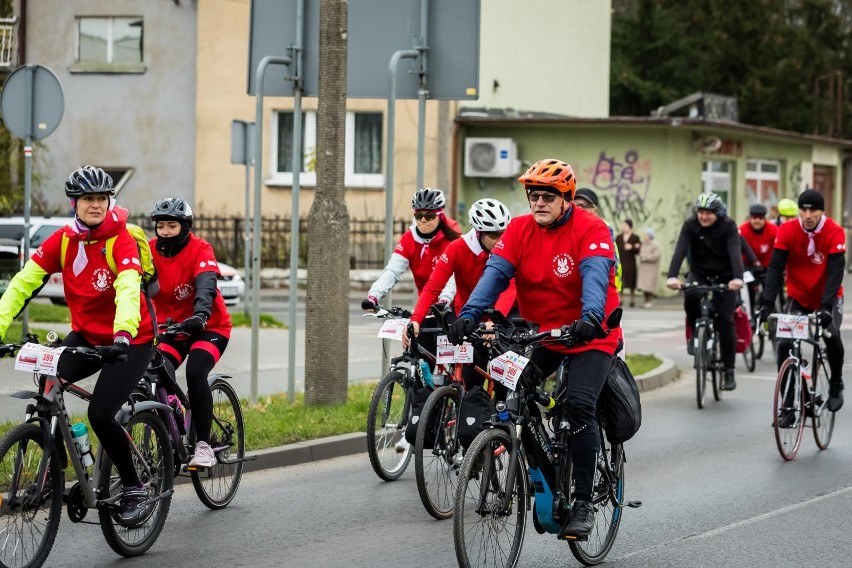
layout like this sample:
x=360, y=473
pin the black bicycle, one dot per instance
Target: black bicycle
x=392, y=402
x=35, y=454
x=705, y=339
x=525, y=455
x=215, y=486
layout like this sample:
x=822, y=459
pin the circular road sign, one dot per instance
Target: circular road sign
x=39, y=85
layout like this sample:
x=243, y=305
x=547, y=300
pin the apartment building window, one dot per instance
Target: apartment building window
x=716, y=177
x=363, y=154
x=763, y=180
x=110, y=44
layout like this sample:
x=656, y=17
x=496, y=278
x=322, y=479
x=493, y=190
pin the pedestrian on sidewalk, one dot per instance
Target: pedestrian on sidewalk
x=649, y=266
x=628, y=251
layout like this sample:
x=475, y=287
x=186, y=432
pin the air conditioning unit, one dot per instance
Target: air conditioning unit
x=490, y=157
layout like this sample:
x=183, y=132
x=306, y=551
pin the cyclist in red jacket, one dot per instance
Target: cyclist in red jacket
x=465, y=260
x=563, y=260
x=813, y=251
x=107, y=308
x=189, y=294
x=760, y=236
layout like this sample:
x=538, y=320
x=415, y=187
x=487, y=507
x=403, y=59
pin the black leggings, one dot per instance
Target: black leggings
x=199, y=363
x=115, y=383
x=584, y=379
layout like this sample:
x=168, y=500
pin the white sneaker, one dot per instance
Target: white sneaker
x=402, y=446
x=203, y=457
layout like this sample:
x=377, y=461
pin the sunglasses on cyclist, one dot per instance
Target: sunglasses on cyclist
x=758, y=216
x=425, y=216
x=548, y=197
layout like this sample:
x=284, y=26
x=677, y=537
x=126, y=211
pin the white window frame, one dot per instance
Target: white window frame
x=110, y=20
x=761, y=171
x=709, y=176
x=309, y=142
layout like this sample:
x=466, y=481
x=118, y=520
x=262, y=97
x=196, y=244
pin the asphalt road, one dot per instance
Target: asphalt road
x=715, y=492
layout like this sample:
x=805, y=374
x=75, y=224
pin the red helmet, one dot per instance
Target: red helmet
x=552, y=173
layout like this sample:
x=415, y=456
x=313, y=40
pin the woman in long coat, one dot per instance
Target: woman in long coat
x=649, y=266
x=628, y=249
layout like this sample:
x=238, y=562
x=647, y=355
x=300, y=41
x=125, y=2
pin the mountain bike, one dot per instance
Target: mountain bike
x=438, y=452
x=33, y=460
x=391, y=404
x=215, y=486
x=525, y=455
x=801, y=389
x=705, y=338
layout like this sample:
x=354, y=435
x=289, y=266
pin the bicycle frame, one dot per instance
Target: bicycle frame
x=51, y=403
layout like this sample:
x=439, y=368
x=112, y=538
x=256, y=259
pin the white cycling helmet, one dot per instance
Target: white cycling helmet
x=489, y=216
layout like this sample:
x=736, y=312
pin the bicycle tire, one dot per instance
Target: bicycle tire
x=700, y=365
x=386, y=426
x=475, y=528
x=607, y=497
x=788, y=440
x=21, y=451
x=749, y=358
x=150, y=437
x=216, y=486
x=715, y=366
x=436, y=468
x=822, y=419
x=758, y=351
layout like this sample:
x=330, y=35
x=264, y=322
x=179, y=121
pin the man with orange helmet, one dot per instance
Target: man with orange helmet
x=562, y=258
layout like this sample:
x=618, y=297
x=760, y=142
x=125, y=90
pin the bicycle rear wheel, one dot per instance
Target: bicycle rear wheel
x=717, y=374
x=701, y=365
x=788, y=418
x=607, y=498
x=216, y=486
x=484, y=533
x=822, y=419
x=150, y=438
x=386, y=426
x=435, y=453
x=758, y=342
x=749, y=357
x=28, y=521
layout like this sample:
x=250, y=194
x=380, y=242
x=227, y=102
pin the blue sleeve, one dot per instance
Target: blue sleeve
x=594, y=270
x=495, y=279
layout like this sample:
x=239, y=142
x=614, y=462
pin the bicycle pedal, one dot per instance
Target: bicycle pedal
x=577, y=538
x=634, y=504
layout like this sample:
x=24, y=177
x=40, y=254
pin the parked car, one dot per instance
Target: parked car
x=12, y=234
x=231, y=284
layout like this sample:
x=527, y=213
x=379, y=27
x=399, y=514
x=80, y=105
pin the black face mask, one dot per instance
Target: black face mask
x=170, y=246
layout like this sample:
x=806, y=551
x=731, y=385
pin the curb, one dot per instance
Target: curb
x=356, y=443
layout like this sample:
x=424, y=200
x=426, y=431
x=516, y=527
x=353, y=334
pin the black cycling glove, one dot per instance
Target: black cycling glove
x=826, y=318
x=370, y=304
x=116, y=352
x=194, y=323
x=460, y=329
x=584, y=330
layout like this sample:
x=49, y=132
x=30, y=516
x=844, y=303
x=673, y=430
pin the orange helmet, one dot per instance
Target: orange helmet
x=552, y=173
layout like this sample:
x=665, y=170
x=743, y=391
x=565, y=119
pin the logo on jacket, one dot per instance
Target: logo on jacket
x=817, y=258
x=183, y=291
x=100, y=279
x=563, y=265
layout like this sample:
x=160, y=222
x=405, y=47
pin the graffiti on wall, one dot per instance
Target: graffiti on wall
x=623, y=185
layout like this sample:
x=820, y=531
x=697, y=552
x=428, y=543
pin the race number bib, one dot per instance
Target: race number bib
x=507, y=368
x=37, y=358
x=792, y=326
x=449, y=353
x=393, y=328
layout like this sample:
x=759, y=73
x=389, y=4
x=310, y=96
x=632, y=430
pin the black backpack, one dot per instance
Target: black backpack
x=619, y=407
x=476, y=408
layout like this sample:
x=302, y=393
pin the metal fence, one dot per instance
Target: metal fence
x=366, y=239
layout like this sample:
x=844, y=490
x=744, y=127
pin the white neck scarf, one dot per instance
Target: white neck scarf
x=812, y=234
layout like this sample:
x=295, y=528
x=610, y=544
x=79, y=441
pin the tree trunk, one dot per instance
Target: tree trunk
x=327, y=309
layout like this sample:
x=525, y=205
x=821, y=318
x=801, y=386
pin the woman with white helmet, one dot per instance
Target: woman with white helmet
x=465, y=259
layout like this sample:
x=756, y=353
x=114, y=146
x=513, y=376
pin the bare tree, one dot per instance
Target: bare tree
x=327, y=309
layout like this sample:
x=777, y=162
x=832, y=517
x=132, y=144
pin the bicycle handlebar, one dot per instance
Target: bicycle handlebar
x=704, y=287
x=392, y=312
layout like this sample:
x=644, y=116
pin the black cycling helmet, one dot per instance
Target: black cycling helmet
x=172, y=209
x=88, y=179
x=710, y=202
x=757, y=210
x=429, y=199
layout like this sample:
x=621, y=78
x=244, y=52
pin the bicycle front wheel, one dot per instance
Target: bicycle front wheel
x=758, y=341
x=155, y=467
x=436, y=452
x=386, y=426
x=788, y=410
x=750, y=357
x=485, y=532
x=29, y=518
x=217, y=485
x=607, y=498
x=821, y=417
x=701, y=362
